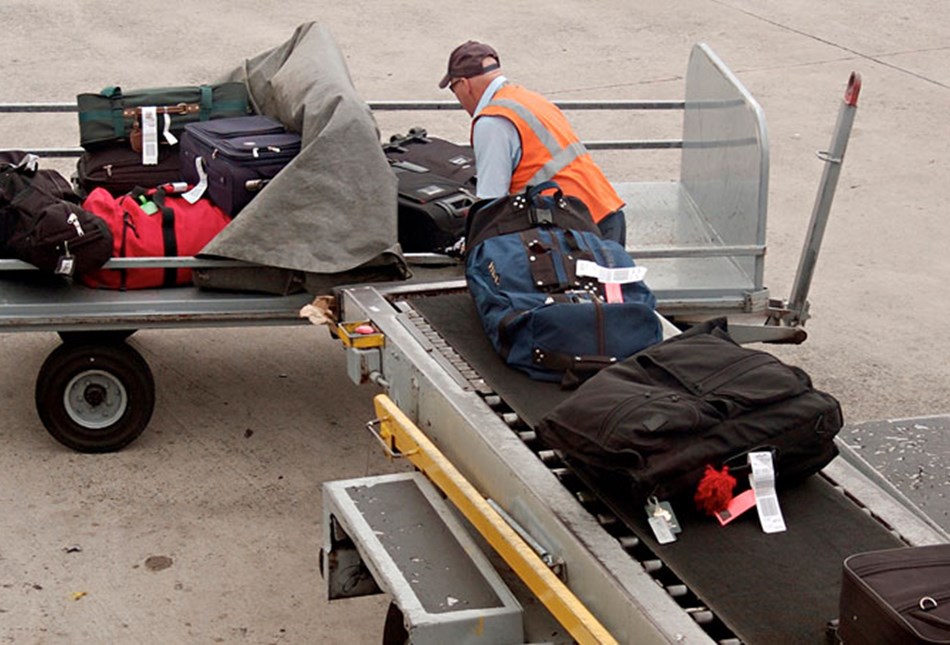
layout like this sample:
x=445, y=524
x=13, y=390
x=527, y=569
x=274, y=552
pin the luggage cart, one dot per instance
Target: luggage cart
x=702, y=236
x=95, y=392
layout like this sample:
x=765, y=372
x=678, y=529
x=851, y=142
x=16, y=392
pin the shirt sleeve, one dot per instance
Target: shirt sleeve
x=497, y=153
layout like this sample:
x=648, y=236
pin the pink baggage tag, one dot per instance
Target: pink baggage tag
x=613, y=292
x=739, y=505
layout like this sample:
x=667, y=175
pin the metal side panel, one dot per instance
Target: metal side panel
x=420, y=553
x=725, y=162
x=614, y=587
x=688, y=263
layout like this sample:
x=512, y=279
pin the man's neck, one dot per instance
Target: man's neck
x=489, y=92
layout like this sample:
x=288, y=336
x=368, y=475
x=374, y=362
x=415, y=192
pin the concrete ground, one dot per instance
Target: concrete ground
x=207, y=528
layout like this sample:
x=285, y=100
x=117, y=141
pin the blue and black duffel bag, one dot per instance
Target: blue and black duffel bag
x=556, y=300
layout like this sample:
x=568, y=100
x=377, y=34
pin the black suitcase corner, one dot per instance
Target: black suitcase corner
x=896, y=596
x=436, y=187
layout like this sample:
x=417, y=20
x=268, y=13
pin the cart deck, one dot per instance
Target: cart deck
x=31, y=302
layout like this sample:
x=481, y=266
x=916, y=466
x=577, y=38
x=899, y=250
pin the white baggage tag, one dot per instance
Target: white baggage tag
x=661, y=530
x=149, y=135
x=195, y=193
x=66, y=265
x=619, y=275
x=762, y=480
x=656, y=508
x=170, y=138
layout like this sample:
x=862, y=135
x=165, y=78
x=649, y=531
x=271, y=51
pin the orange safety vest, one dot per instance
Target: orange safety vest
x=551, y=150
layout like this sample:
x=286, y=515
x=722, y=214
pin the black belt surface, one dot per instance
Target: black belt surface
x=780, y=587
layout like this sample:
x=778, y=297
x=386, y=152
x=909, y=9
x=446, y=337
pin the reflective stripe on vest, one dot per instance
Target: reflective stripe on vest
x=551, y=150
x=560, y=157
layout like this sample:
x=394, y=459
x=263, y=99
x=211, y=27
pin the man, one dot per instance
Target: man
x=522, y=139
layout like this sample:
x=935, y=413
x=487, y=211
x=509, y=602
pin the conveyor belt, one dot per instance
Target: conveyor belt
x=765, y=588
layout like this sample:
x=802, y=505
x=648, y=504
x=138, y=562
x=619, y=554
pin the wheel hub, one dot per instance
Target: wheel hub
x=95, y=399
x=94, y=394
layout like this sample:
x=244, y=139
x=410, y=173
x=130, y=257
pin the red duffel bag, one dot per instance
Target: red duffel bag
x=152, y=224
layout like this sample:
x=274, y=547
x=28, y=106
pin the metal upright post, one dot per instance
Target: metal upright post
x=833, y=158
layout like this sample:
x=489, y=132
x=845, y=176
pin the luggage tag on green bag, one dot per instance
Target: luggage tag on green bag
x=149, y=135
x=663, y=510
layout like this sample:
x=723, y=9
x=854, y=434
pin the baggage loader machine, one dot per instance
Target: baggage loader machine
x=554, y=558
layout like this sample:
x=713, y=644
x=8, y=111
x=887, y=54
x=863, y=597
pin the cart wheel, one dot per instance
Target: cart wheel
x=95, y=398
x=95, y=337
x=394, y=630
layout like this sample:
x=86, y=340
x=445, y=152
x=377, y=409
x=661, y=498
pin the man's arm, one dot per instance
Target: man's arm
x=497, y=153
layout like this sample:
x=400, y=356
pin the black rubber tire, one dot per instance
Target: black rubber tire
x=95, y=398
x=109, y=337
x=394, y=630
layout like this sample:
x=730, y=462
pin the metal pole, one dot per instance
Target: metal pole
x=833, y=158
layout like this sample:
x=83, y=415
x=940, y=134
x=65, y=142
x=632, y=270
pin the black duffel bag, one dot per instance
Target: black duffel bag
x=656, y=420
x=42, y=221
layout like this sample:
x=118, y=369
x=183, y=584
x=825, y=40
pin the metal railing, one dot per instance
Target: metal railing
x=408, y=106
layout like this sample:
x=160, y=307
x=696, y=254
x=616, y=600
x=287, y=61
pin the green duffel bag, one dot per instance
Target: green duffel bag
x=113, y=115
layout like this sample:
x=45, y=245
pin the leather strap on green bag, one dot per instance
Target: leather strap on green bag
x=207, y=100
x=114, y=94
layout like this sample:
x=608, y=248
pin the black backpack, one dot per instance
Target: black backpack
x=653, y=422
x=42, y=221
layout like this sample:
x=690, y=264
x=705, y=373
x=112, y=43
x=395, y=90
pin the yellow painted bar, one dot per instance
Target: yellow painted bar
x=398, y=431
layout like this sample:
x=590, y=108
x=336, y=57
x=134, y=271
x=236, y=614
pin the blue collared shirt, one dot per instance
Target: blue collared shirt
x=497, y=147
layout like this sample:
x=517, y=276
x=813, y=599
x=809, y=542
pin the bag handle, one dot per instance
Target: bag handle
x=18, y=177
x=533, y=192
x=538, y=214
x=489, y=218
x=577, y=369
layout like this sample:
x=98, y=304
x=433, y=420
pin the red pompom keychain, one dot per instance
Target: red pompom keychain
x=715, y=490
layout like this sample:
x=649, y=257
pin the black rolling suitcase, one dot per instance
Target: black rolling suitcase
x=436, y=187
x=896, y=596
x=119, y=169
x=239, y=155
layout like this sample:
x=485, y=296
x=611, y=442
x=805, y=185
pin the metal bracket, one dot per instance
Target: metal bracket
x=388, y=442
x=825, y=156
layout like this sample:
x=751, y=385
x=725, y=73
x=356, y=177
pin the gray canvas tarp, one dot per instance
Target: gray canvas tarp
x=333, y=208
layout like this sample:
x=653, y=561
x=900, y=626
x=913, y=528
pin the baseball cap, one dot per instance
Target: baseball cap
x=465, y=61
